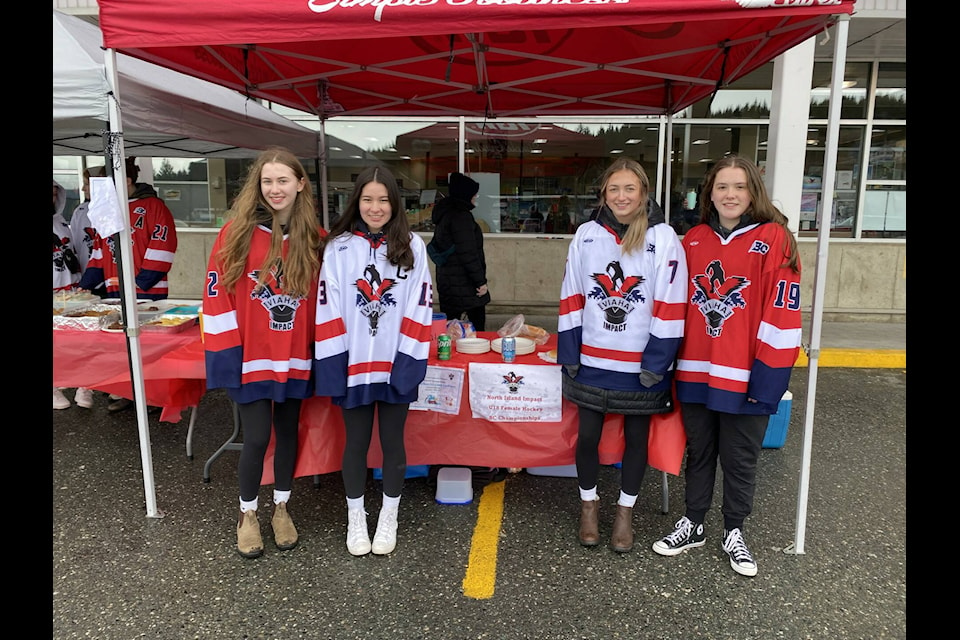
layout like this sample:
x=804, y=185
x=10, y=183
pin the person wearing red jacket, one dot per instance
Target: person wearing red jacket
x=741, y=339
x=153, y=232
x=259, y=306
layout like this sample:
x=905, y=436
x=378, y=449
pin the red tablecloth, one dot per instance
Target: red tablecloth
x=173, y=366
x=439, y=438
x=175, y=379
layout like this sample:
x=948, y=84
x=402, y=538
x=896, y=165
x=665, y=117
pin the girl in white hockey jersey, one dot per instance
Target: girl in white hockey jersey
x=621, y=321
x=374, y=311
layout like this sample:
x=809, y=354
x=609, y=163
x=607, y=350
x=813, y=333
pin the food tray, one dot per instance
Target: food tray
x=86, y=318
x=170, y=323
x=69, y=301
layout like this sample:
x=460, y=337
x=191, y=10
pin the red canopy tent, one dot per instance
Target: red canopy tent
x=490, y=59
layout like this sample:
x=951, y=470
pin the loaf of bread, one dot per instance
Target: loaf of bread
x=538, y=334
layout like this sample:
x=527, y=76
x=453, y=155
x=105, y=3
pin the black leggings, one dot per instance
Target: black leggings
x=359, y=426
x=256, y=419
x=636, y=431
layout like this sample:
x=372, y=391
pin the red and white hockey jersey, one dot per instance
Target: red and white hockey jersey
x=620, y=313
x=743, y=326
x=373, y=322
x=153, y=233
x=258, y=345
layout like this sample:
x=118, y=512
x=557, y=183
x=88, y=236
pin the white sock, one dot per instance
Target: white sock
x=248, y=505
x=355, y=503
x=391, y=503
x=280, y=496
x=626, y=500
x=588, y=494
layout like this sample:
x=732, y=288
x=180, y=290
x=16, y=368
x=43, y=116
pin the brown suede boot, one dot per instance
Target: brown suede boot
x=622, y=538
x=249, y=542
x=589, y=529
x=284, y=533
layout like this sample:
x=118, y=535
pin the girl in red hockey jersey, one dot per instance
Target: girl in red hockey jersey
x=259, y=305
x=741, y=339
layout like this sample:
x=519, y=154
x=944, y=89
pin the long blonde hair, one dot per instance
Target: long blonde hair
x=302, y=263
x=761, y=207
x=637, y=230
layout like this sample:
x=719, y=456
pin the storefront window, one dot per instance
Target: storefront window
x=890, y=102
x=846, y=180
x=856, y=83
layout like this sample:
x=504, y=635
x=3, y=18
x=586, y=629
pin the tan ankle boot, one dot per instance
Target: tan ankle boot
x=249, y=542
x=622, y=538
x=589, y=528
x=284, y=533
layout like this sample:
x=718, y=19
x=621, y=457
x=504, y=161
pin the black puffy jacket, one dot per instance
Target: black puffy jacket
x=466, y=269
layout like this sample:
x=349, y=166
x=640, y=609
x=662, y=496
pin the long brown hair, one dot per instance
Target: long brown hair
x=637, y=231
x=761, y=207
x=396, y=230
x=302, y=263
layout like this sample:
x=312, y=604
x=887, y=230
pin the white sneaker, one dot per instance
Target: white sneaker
x=84, y=397
x=60, y=401
x=385, y=539
x=358, y=539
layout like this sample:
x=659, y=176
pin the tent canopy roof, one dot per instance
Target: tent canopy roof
x=457, y=57
x=163, y=112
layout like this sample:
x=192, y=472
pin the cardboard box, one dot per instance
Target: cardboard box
x=777, y=426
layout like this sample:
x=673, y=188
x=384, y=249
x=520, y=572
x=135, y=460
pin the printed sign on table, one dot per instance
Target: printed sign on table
x=510, y=392
x=440, y=390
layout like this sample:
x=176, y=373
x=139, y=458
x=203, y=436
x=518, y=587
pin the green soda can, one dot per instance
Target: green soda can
x=443, y=346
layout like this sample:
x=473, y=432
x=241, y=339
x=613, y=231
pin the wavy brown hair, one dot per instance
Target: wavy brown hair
x=761, y=207
x=637, y=230
x=302, y=263
x=396, y=230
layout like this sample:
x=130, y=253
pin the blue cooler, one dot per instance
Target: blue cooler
x=776, y=434
x=413, y=471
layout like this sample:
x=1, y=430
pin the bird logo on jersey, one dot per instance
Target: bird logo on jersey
x=373, y=296
x=281, y=306
x=513, y=382
x=617, y=294
x=718, y=296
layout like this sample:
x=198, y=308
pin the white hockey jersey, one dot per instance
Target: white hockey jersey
x=373, y=322
x=620, y=313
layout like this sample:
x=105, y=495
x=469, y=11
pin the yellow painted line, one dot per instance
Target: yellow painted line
x=481, y=574
x=858, y=358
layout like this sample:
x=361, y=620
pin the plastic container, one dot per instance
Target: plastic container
x=413, y=471
x=455, y=485
x=776, y=435
x=559, y=471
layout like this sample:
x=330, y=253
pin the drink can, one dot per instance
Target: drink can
x=508, y=348
x=443, y=346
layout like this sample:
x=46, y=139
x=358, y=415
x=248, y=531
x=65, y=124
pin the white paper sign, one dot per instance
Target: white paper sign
x=104, y=210
x=511, y=392
x=440, y=390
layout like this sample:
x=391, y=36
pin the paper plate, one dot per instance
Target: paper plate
x=524, y=346
x=473, y=345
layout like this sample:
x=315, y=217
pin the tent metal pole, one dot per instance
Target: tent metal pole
x=820, y=276
x=129, y=288
x=322, y=142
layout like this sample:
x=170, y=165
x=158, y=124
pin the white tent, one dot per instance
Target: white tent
x=164, y=112
x=115, y=105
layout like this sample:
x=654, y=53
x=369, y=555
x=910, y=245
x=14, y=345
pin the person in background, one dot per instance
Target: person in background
x=154, y=244
x=83, y=230
x=258, y=321
x=742, y=337
x=620, y=325
x=66, y=274
x=462, y=279
x=374, y=311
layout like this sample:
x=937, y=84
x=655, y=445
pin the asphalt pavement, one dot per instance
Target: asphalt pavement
x=117, y=574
